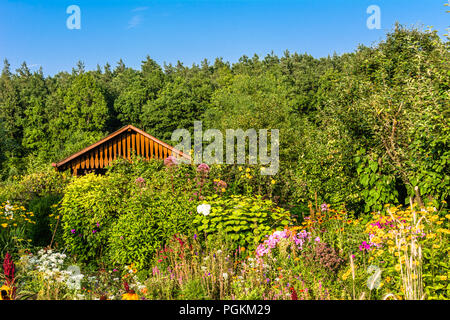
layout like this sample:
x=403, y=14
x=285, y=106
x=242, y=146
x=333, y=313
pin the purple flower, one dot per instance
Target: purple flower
x=98, y=224
x=317, y=239
x=73, y=231
x=94, y=231
x=324, y=207
x=195, y=236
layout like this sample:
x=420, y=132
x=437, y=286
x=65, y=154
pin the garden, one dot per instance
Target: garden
x=155, y=230
x=357, y=211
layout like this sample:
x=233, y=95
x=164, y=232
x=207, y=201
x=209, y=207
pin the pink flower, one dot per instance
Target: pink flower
x=203, y=167
x=170, y=161
x=140, y=181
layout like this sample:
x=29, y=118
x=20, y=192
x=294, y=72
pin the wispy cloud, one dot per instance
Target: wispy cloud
x=137, y=18
x=134, y=22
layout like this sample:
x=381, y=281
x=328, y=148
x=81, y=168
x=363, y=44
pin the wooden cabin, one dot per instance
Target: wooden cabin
x=120, y=144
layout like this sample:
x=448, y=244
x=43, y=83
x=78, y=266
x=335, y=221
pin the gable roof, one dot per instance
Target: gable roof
x=115, y=134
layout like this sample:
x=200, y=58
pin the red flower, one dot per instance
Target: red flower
x=293, y=294
x=8, y=269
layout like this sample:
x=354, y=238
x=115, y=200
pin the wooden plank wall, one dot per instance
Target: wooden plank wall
x=121, y=146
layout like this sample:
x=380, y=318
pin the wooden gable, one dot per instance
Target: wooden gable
x=119, y=144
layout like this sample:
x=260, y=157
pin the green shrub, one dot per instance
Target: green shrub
x=41, y=232
x=45, y=182
x=246, y=220
x=194, y=290
x=151, y=220
x=90, y=206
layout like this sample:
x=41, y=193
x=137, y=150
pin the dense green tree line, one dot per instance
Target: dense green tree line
x=358, y=129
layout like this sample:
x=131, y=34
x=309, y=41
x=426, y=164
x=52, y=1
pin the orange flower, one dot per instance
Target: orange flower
x=130, y=296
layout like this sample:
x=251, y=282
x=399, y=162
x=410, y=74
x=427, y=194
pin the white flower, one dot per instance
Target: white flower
x=204, y=209
x=225, y=275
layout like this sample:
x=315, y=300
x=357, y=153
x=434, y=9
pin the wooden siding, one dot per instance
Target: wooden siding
x=120, y=144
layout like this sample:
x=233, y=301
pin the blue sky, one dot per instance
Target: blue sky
x=189, y=31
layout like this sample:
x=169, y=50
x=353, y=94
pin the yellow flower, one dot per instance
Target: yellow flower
x=436, y=246
x=388, y=279
x=398, y=267
x=240, y=168
x=4, y=225
x=443, y=278
x=247, y=170
x=273, y=181
x=7, y=289
x=346, y=274
x=434, y=218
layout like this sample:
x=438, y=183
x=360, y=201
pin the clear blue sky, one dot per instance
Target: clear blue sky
x=189, y=31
